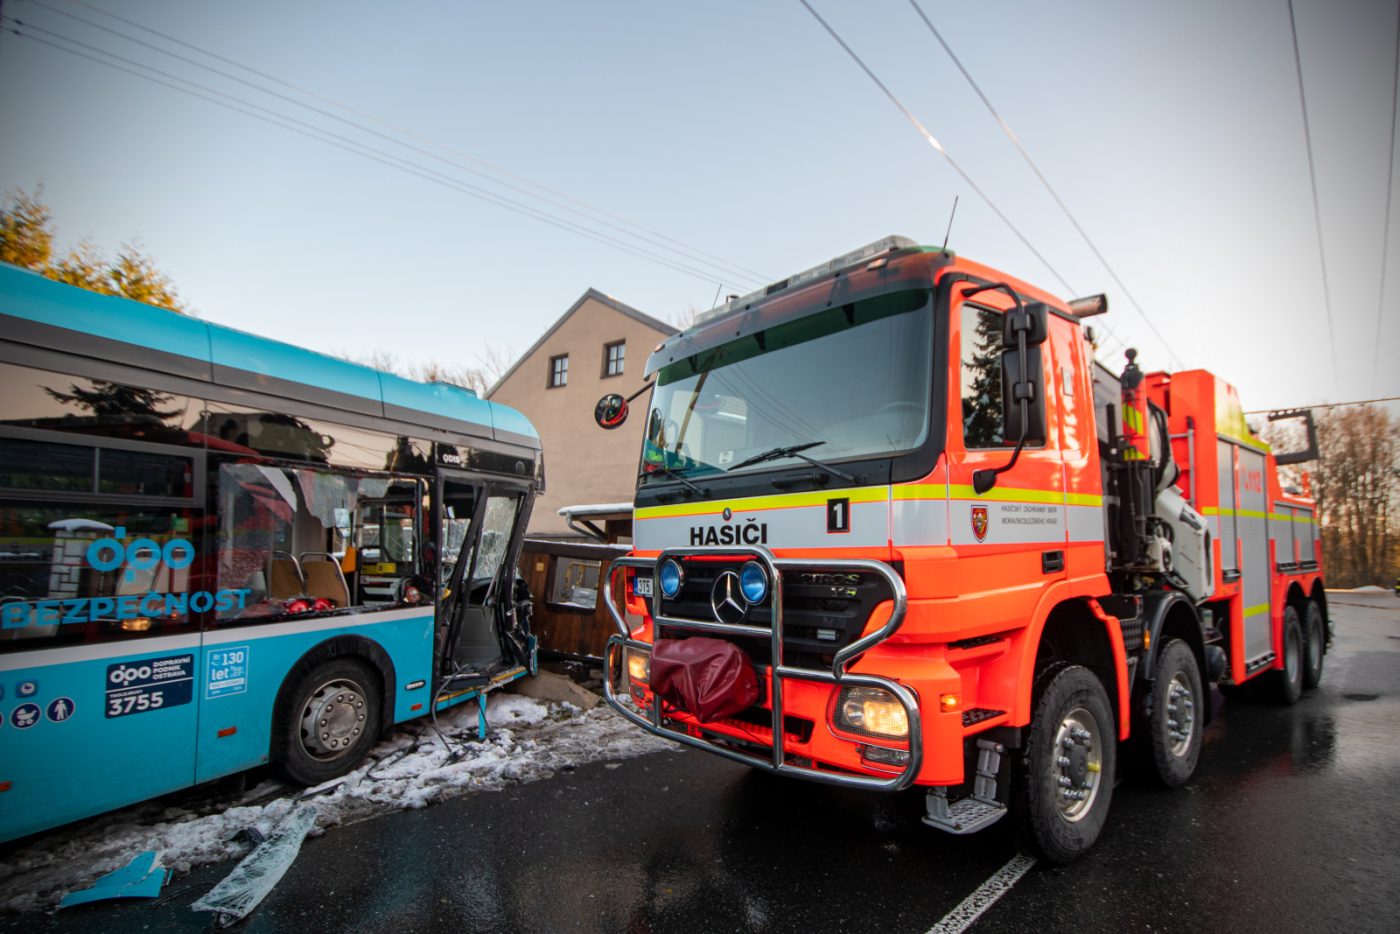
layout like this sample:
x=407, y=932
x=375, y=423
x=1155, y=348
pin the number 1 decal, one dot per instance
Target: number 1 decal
x=838, y=515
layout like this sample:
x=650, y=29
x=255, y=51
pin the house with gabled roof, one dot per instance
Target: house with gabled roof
x=598, y=346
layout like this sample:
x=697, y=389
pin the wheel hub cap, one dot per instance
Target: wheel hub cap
x=333, y=719
x=1181, y=716
x=1078, y=767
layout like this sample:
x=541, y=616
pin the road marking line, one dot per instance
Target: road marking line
x=983, y=897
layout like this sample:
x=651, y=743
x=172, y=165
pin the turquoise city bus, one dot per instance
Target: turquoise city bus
x=219, y=551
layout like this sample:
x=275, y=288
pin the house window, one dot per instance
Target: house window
x=558, y=371
x=613, y=357
x=575, y=583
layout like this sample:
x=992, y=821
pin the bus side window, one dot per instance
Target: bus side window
x=284, y=535
x=76, y=573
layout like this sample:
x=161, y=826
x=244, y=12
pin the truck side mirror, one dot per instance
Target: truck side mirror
x=1032, y=320
x=1015, y=390
x=610, y=412
x=1024, y=329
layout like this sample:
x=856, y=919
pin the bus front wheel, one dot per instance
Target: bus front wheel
x=329, y=723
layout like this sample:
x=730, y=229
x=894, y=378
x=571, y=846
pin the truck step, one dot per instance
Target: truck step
x=968, y=815
x=979, y=809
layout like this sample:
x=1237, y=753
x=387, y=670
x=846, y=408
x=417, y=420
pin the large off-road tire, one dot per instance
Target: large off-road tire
x=1286, y=683
x=1172, y=720
x=1063, y=775
x=328, y=722
x=1314, y=644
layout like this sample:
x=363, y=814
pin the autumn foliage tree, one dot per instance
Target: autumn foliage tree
x=1357, y=484
x=27, y=240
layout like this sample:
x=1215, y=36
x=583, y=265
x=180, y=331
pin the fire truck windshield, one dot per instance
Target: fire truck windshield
x=854, y=379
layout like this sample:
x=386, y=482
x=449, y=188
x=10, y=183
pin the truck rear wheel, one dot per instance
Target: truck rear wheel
x=1314, y=645
x=1064, y=773
x=1173, y=714
x=1287, y=682
x=328, y=723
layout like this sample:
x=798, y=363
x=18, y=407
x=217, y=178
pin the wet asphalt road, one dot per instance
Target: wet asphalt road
x=1292, y=823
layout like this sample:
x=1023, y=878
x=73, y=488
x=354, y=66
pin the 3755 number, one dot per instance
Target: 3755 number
x=134, y=703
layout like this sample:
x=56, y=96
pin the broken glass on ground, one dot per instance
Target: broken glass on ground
x=243, y=889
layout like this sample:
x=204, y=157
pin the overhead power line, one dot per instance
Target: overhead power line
x=933, y=141
x=1025, y=154
x=724, y=270
x=1389, y=186
x=1317, y=209
x=1329, y=405
x=184, y=85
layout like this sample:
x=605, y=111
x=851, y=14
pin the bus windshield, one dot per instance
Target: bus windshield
x=845, y=383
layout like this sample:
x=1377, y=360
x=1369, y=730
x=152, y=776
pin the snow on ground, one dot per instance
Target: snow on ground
x=528, y=740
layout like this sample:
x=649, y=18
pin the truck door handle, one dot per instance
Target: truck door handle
x=1052, y=562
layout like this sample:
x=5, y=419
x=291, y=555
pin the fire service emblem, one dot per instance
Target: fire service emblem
x=979, y=522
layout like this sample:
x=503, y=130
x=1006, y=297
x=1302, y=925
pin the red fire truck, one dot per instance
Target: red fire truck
x=895, y=526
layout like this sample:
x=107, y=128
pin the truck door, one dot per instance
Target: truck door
x=1010, y=540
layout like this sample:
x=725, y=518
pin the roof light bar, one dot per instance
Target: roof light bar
x=845, y=261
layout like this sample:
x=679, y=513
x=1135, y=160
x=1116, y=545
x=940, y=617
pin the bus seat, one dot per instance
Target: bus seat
x=285, y=576
x=325, y=579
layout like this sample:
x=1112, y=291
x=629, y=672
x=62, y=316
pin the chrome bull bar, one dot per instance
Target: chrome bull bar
x=778, y=672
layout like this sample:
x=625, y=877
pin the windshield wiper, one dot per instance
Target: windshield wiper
x=794, y=450
x=662, y=468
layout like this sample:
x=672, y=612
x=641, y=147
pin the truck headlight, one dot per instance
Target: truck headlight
x=871, y=712
x=638, y=666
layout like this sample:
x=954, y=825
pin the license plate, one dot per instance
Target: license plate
x=642, y=585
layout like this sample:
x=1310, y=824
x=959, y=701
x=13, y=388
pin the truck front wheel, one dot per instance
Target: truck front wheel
x=1173, y=714
x=1064, y=774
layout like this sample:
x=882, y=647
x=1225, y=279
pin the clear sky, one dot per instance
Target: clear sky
x=1173, y=131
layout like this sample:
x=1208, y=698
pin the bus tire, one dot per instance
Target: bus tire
x=1314, y=644
x=1173, y=715
x=329, y=723
x=1286, y=683
x=1063, y=776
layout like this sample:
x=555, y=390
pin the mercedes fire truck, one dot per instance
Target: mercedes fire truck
x=896, y=527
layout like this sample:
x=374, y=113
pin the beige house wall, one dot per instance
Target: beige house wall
x=583, y=463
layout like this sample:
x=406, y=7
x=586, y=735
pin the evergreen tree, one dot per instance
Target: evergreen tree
x=982, y=402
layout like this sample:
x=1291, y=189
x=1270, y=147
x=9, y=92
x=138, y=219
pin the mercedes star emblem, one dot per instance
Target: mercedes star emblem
x=727, y=600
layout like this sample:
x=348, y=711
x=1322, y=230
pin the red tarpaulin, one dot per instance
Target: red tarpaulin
x=709, y=678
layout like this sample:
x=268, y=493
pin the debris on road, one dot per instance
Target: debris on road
x=412, y=769
x=143, y=877
x=243, y=889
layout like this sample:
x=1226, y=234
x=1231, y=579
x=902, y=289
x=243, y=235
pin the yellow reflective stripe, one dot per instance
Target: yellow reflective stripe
x=1132, y=418
x=1255, y=610
x=870, y=494
x=908, y=491
x=874, y=494
x=1280, y=517
x=1241, y=513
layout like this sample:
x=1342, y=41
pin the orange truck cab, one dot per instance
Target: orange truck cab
x=952, y=549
